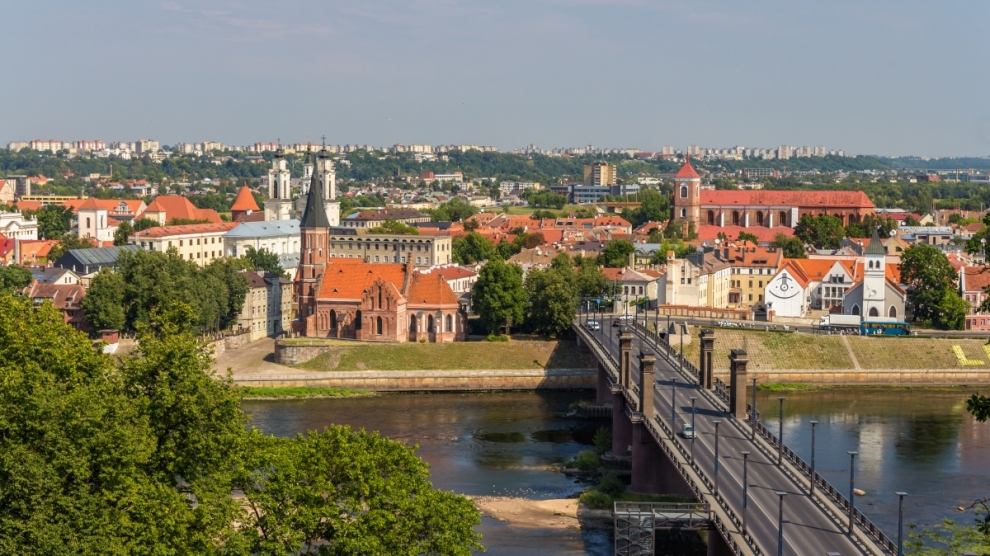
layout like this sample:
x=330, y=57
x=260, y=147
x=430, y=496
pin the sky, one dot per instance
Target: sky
x=905, y=77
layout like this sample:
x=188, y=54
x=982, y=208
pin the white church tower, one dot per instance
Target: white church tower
x=279, y=203
x=328, y=179
x=874, y=278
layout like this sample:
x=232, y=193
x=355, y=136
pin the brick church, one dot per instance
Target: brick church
x=710, y=210
x=354, y=299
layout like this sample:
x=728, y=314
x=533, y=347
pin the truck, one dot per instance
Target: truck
x=839, y=322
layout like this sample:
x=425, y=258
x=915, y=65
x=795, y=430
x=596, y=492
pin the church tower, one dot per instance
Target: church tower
x=874, y=278
x=279, y=203
x=328, y=179
x=314, y=230
x=687, y=197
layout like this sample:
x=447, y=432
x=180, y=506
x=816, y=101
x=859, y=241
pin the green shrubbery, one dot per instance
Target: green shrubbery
x=587, y=461
x=596, y=500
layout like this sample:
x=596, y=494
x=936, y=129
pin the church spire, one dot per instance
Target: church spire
x=315, y=214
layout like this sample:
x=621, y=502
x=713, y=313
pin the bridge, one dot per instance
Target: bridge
x=651, y=387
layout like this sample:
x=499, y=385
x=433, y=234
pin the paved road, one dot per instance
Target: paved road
x=807, y=529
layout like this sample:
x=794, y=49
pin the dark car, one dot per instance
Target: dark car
x=616, y=322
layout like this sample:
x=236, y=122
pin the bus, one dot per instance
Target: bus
x=876, y=327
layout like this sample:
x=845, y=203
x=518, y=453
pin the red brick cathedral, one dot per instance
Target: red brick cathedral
x=350, y=298
x=758, y=208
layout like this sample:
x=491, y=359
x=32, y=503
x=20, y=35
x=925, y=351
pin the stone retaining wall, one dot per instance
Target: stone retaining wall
x=295, y=353
x=411, y=381
x=872, y=377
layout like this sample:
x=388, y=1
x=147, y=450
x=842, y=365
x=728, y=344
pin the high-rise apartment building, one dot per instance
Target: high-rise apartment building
x=600, y=174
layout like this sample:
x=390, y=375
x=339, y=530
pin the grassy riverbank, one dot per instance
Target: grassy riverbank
x=261, y=393
x=516, y=354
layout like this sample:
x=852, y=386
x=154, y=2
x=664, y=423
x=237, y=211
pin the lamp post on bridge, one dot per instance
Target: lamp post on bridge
x=780, y=525
x=780, y=435
x=852, y=490
x=716, y=422
x=694, y=432
x=745, y=456
x=753, y=438
x=900, y=522
x=673, y=402
x=813, y=423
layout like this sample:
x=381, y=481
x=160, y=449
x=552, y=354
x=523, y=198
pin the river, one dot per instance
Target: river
x=502, y=444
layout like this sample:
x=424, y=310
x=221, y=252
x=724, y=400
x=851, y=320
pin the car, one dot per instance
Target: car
x=592, y=325
x=616, y=322
x=687, y=431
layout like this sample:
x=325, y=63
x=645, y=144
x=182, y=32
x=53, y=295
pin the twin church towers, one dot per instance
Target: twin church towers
x=280, y=205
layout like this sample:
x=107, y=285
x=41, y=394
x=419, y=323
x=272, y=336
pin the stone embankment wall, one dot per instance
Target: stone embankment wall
x=296, y=352
x=412, y=381
x=230, y=342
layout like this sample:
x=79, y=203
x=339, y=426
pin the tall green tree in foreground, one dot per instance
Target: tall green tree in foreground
x=498, y=296
x=932, y=292
x=143, y=457
x=553, y=297
x=824, y=232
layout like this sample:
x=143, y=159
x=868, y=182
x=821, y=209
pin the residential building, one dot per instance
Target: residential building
x=87, y=262
x=201, y=243
x=375, y=218
x=53, y=275
x=276, y=236
x=459, y=278
x=535, y=258
x=752, y=269
x=121, y=210
x=585, y=194
x=267, y=307
x=65, y=297
x=146, y=146
x=973, y=284
x=357, y=243
x=697, y=280
x=635, y=284
x=600, y=174
x=926, y=235
x=14, y=225
x=516, y=187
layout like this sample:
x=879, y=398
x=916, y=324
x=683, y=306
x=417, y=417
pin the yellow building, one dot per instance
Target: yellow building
x=201, y=243
x=600, y=173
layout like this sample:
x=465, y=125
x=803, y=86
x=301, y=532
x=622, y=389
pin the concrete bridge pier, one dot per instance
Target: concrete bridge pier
x=717, y=545
x=622, y=428
x=603, y=394
x=737, y=383
x=707, y=343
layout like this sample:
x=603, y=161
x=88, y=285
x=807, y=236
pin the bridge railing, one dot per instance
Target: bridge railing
x=823, y=485
x=667, y=351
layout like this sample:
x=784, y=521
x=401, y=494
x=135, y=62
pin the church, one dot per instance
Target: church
x=349, y=298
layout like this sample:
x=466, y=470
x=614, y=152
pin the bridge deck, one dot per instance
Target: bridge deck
x=811, y=526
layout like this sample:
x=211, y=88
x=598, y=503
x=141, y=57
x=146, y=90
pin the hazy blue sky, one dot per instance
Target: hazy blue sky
x=886, y=77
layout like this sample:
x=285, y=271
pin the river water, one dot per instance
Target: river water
x=919, y=441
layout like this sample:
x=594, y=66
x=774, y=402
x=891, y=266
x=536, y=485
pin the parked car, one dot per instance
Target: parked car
x=616, y=322
x=592, y=325
x=687, y=431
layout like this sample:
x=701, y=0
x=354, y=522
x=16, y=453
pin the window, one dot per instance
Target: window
x=450, y=323
x=711, y=217
x=378, y=326
x=683, y=213
x=684, y=192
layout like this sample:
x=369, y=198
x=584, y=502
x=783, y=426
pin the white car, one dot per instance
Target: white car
x=592, y=325
x=687, y=431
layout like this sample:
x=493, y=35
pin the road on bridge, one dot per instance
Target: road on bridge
x=808, y=530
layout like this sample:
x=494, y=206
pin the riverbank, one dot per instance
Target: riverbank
x=561, y=513
x=299, y=392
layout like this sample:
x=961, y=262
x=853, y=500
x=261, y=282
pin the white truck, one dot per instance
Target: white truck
x=838, y=322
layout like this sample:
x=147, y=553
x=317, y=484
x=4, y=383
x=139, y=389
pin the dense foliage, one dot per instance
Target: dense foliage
x=933, y=292
x=498, y=296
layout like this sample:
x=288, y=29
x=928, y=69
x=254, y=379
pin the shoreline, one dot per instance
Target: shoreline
x=555, y=513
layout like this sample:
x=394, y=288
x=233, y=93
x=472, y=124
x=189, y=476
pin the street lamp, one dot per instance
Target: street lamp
x=852, y=491
x=900, y=523
x=813, y=424
x=716, y=422
x=673, y=401
x=780, y=435
x=754, y=411
x=745, y=456
x=780, y=525
x=694, y=431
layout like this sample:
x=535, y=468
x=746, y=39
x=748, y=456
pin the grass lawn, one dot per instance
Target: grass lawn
x=300, y=392
x=517, y=354
x=780, y=350
x=566, y=210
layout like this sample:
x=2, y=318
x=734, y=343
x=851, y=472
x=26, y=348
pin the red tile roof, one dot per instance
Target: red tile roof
x=809, y=199
x=165, y=231
x=763, y=234
x=176, y=206
x=349, y=278
x=975, y=278
x=687, y=172
x=430, y=289
x=110, y=205
x=244, y=201
x=451, y=272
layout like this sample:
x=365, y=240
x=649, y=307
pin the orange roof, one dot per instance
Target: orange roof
x=25, y=205
x=808, y=199
x=430, y=289
x=687, y=171
x=165, y=231
x=111, y=205
x=816, y=269
x=90, y=204
x=975, y=278
x=176, y=206
x=451, y=272
x=244, y=201
x=349, y=278
x=33, y=249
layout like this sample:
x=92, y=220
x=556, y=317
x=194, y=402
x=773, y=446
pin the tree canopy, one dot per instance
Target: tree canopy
x=552, y=296
x=498, y=296
x=263, y=259
x=824, y=232
x=471, y=248
x=932, y=279
x=616, y=254
x=792, y=246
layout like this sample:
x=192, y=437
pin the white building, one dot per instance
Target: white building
x=14, y=225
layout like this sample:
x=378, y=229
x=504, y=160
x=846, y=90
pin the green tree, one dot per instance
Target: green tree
x=394, y=227
x=927, y=270
x=340, y=492
x=746, y=236
x=870, y=222
x=144, y=223
x=952, y=311
x=472, y=248
x=263, y=259
x=824, y=232
x=54, y=221
x=103, y=304
x=498, y=296
x=454, y=210
x=591, y=281
x=14, y=278
x=654, y=207
x=792, y=246
x=616, y=254
x=541, y=214
x=67, y=242
x=553, y=300
x=123, y=234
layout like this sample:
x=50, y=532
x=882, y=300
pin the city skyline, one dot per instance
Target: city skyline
x=622, y=74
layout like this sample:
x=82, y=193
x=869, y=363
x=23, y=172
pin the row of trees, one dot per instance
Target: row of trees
x=827, y=232
x=145, y=455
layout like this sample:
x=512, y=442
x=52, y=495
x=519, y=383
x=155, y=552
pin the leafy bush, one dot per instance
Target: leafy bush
x=596, y=500
x=611, y=485
x=587, y=461
x=499, y=338
x=602, y=440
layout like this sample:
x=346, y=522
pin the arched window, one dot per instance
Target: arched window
x=87, y=222
x=683, y=213
x=782, y=218
x=333, y=320
x=357, y=320
x=412, y=324
x=378, y=326
x=855, y=309
x=450, y=323
x=379, y=300
x=892, y=313
x=684, y=192
x=759, y=219
x=735, y=218
x=711, y=217
x=874, y=312
x=429, y=324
